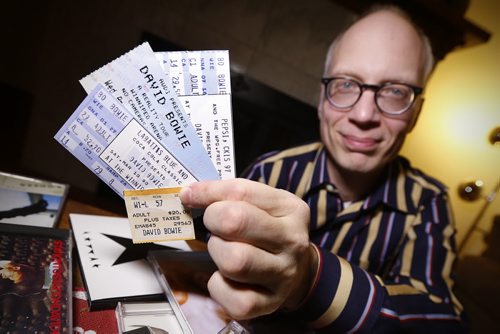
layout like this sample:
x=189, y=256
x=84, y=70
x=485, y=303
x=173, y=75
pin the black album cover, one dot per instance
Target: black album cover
x=35, y=279
x=113, y=267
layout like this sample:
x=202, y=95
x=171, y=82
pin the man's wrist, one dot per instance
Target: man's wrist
x=307, y=287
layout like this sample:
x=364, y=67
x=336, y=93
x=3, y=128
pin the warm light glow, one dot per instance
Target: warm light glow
x=471, y=128
x=462, y=106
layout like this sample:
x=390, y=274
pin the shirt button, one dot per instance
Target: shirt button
x=330, y=188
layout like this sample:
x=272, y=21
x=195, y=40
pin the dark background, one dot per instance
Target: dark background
x=276, y=50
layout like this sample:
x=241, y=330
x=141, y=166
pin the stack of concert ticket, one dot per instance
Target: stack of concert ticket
x=153, y=122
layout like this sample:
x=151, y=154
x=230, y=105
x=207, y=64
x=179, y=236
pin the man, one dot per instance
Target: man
x=343, y=233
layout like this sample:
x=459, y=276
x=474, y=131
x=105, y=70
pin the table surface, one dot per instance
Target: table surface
x=74, y=206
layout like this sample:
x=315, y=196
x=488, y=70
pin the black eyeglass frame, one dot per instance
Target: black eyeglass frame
x=376, y=88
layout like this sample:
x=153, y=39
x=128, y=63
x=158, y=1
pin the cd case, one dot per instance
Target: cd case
x=183, y=276
x=30, y=201
x=148, y=317
x=35, y=279
x=113, y=267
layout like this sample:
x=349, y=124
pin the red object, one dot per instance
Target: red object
x=91, y=322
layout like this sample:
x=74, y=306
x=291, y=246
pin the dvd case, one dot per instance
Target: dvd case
x=35, y=279
x=30, y=201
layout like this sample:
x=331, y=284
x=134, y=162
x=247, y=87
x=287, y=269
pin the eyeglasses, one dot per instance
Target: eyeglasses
x=391, y=98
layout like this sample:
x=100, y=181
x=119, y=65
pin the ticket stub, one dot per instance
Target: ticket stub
x=212, y=119
x=201, y=79
x=137, y=80
x=204, y=72
x=106, y=138
x=158, y=215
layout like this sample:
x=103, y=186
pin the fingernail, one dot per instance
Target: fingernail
x=185, y=195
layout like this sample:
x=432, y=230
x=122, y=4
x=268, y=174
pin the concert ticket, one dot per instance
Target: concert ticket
x=137, y=80
x=105, y=137
x=211, y=118
x=204, y=72
x=201, y=79
x=153, y=121
x=158, y=215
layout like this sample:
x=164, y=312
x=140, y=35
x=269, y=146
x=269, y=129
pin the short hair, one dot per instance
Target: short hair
x=429, y=62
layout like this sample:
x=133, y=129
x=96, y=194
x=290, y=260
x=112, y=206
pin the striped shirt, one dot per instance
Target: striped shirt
x=385, y=261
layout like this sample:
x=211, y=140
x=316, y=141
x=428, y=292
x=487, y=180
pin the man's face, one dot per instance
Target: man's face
x=378, y=49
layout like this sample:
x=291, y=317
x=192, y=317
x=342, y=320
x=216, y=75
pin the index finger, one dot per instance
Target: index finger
x=201, y=194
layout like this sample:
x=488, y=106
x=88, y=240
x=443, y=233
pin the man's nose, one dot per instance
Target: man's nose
x=365, y=110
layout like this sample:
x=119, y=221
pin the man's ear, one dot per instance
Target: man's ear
x=418, y=109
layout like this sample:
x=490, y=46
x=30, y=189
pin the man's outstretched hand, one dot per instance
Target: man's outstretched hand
x=259, y=242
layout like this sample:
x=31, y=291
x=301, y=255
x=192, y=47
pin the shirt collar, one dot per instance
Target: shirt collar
x=319, y=177
x=386, y=193
x=391, y=192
